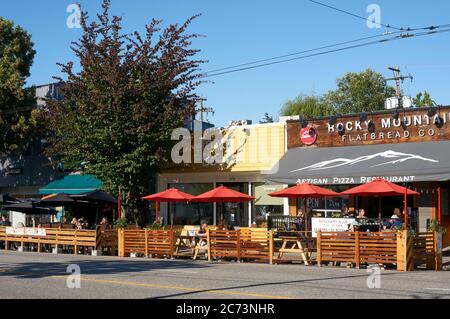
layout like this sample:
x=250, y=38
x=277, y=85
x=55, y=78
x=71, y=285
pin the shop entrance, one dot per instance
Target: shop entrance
x=234, y=214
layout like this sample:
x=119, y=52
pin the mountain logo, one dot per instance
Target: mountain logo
x=392, y=157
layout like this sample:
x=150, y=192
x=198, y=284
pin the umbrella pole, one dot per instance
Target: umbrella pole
x=439, y=206
x=171, y=215
x=305, y=204
x=156, y=211
x=405, y=208
x=379, y=213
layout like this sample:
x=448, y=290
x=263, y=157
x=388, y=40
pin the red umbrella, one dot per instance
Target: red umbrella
x=222, y=195
x=304, y=190
x=171, y=195
x=381, y=188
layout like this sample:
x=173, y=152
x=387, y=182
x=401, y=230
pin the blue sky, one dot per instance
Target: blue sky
x=239, y=31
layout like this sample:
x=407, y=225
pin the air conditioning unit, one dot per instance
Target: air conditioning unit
x=407, y=102
x=392, y=103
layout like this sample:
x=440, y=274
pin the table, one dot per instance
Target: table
x=297, y=245
x=194, y=242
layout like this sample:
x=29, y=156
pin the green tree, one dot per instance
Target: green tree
x=17, y=118
x=120, y=108
x=308, y=106
x=360, y=92
x=266, y=119
x=423, y=100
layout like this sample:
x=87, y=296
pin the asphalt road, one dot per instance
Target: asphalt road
x=35, y=275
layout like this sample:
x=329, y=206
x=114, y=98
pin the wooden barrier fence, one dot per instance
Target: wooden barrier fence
x=406, y=252
x=243, y=244
x=147, y=242
x=357, y=247
x=58, y=238
x=421, y=251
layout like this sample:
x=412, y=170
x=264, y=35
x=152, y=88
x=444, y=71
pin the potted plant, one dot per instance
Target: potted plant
x=434, y=226
x=121, y=223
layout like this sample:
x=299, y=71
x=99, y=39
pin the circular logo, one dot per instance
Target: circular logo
x=308, y=135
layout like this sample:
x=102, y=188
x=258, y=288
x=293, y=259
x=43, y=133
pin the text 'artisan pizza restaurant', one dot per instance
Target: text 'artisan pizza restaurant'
x=409, y=147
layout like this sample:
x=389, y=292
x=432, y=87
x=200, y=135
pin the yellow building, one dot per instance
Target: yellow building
x=238, y=160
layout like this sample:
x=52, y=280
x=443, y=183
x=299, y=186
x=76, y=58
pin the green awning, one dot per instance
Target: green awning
x=72, y=184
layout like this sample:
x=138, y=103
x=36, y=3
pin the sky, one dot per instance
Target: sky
x=240, y=31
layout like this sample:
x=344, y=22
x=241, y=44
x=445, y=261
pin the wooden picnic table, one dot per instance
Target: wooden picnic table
x=195, y=243
x=295, y=244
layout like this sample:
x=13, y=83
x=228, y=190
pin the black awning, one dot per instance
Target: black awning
x=398, y=163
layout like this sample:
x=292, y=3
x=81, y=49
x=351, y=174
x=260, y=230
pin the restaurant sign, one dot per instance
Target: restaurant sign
x=25, y=231
x=388, y=128
x=330, y=225
x=308, y=135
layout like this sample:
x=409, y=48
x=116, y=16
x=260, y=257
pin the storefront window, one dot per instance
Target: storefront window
x=234, y=214
x=266, y=205
x=325, y=207
x=194, y=213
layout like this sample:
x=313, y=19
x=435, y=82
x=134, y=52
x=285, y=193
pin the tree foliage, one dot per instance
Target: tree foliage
x=17, y=119
x=356, y=92
x=360, y=92
x=266, y=119
x=120, y=109
x=423, y=100
x=308, y=106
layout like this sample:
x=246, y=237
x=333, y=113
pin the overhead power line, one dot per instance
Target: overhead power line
x=318, y=48
x=395, y=38
x=389, y=26
x=302, y=52
x=355, y=15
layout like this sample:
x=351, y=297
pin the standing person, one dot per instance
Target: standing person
x=4, y=221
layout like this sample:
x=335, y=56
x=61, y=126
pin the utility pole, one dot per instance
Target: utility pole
x=203, y=109
x=397, y=78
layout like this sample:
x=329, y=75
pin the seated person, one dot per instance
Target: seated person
x=355, y=226
x=344, y=211
x=361, y=213
x=221, y=225
x=397, y=214
x=350, y=213
x=202, y=230
x=398, y=224
x=386, y=226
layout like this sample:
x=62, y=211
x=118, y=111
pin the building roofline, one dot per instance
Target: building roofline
x=401, y=110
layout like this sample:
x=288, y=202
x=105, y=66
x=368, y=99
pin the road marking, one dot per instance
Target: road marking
x=443, y=289
x=178, y=271
x=216, y=291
